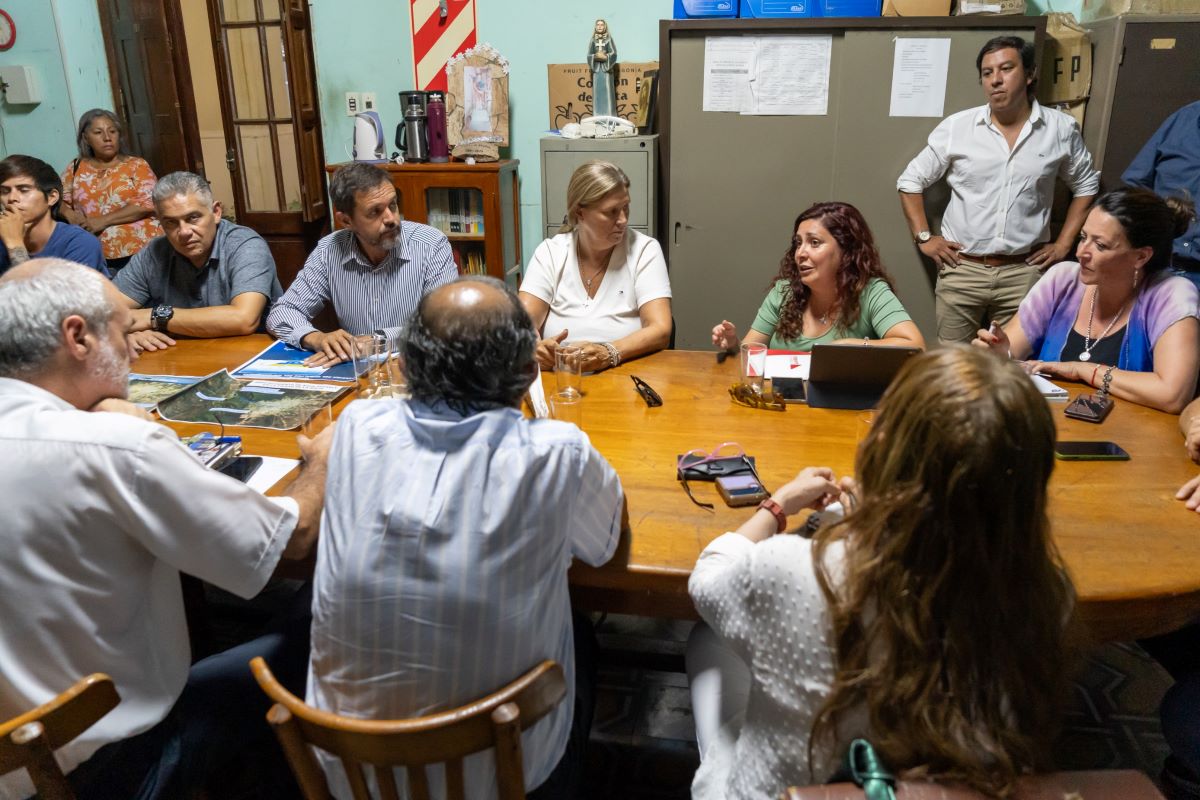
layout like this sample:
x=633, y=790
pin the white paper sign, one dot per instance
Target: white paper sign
x=727, y=64
x=919, y=77
x=791, y=75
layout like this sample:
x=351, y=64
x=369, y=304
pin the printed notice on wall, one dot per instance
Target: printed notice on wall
x=791, y=75
x=919, y=77
x=777, y=75
x=727, y=64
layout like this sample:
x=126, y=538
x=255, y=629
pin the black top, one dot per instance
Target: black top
x=1105, y=351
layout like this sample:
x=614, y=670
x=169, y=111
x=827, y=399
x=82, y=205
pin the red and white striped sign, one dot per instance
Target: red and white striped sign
x=437, y=40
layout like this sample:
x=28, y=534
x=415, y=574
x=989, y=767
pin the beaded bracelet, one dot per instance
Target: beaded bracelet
x=614, y=355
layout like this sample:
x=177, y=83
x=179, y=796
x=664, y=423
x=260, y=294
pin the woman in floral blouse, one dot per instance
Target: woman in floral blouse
x=107, y=191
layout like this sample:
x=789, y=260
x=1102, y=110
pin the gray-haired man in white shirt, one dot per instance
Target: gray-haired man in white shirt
x=102, y=513
x=1000, y=161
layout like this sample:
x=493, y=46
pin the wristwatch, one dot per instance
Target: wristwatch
x=923, y=237
x=160, y=316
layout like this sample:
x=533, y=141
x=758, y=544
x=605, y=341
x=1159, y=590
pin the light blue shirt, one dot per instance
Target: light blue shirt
x=366, y=297
x=442, y=566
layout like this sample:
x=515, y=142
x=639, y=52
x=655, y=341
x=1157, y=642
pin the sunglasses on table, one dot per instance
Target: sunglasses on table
x=727, y=458
x=746, y=396
x=652, y=398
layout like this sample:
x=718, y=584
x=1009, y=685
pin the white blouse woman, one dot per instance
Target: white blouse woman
x=598, y=283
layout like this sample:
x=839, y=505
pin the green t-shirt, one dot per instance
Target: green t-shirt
x=879, y=311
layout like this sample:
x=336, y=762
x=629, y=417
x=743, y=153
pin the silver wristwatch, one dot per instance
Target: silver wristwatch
x=923, y=237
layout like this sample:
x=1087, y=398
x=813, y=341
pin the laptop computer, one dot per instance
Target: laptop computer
x=853, y=376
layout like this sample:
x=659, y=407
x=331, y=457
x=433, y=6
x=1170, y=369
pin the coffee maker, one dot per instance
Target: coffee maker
x=411, y=135
x=435, y=110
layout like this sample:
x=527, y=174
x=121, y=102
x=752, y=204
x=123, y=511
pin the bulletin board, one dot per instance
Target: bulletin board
x=734, y=184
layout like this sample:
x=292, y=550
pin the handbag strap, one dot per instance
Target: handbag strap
x=868, y=771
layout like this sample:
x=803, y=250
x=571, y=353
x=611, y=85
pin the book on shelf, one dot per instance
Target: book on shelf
x=456, y=211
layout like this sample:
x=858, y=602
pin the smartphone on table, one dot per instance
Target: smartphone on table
x=1089, y=451
x=741, y=490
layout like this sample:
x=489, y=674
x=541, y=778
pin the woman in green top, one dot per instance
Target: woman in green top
x=831, y=287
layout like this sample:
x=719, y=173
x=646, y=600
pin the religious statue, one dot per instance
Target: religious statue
x=602, y=60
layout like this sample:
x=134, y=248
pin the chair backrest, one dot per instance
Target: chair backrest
x=29, y=740
x=494, y=722
x=1090, y=785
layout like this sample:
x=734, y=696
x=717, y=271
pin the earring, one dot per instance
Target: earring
x=1136, y=274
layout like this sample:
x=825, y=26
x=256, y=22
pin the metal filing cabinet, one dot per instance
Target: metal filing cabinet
x=637, y=155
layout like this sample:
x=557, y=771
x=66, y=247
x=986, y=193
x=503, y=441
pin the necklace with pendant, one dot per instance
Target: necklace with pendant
x=1088, y=344
x=587, y=282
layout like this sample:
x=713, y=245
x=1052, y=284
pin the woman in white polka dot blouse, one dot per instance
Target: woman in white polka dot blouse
x=929, y=620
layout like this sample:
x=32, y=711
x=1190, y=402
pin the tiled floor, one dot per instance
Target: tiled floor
x=643, y=742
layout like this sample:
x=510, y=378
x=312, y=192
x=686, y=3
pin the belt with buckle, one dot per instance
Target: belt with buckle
x=996, y=259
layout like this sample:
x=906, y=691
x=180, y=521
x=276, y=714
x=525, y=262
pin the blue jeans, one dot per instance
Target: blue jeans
x=219, y=718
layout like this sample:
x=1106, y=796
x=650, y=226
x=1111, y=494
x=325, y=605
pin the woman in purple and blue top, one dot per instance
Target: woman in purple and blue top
x=1116, y=316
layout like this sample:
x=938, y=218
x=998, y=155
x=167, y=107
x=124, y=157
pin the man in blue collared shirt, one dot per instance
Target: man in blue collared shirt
x=206, y=277
x=1169, y=164
x=374, y=271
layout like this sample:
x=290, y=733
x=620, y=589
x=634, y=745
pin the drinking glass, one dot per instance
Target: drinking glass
x=568, y=368
x=381, y=383
x=567, y=406
x=321, y=419
x=754, y=365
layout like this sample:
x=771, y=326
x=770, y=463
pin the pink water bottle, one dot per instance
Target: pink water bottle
x=439, y=150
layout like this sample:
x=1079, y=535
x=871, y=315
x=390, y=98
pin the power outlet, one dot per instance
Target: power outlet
x=368, y=101
x=353, y=103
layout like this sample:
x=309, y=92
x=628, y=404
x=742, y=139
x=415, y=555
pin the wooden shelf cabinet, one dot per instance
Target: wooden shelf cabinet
x=485, y=193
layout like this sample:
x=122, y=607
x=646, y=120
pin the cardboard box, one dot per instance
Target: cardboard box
x=705, y=9
x=788, y=9
x=1075, y=108
x=968, y=7
x=1066, y=61
x=916, y=8
x=571, y=90
x=1099, y=9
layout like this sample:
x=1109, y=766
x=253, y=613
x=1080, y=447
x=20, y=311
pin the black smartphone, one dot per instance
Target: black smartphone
x=741, y=490
x=790, y=389
x=1090, y=451
x=242, y=467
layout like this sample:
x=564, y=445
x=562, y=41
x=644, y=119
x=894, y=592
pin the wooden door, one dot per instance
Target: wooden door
x=266, y=80
x=144, y=58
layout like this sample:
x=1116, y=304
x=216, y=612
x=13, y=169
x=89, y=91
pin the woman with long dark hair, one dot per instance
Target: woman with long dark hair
x=831, y=287
x=933, y=619
x=1117, y=317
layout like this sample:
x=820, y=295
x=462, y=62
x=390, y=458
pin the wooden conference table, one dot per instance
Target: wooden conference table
x=1132, y=549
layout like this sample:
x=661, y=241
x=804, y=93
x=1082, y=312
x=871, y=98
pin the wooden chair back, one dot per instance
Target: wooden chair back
x=496, y=721
x=1090, y=785
x=29, y=740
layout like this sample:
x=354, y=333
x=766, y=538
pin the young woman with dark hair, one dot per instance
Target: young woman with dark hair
x=933, y=619
x=831, y=287
x=1117, y=316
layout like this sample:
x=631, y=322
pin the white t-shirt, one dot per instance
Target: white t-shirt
x=101, y=512
x=637, y=274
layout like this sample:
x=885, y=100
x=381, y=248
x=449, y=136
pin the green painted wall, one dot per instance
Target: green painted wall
x=61, y=40
x=371, y=50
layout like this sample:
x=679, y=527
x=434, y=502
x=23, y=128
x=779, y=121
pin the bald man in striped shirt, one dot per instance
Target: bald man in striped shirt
x=374, y=270
x=450, y=523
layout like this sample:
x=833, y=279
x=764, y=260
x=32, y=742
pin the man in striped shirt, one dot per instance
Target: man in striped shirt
x=374, y=270
x=450, y=523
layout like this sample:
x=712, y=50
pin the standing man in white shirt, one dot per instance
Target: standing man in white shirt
x=1000, y=161
x=450, y=525
x=102, y=512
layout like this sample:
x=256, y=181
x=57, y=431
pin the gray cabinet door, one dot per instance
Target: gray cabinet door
x=634, y=154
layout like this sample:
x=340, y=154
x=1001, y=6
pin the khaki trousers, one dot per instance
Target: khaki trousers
x=971, y=296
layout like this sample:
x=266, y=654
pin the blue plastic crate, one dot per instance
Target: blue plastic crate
x=705, y=9
x=794, y=9
x=849, y=8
